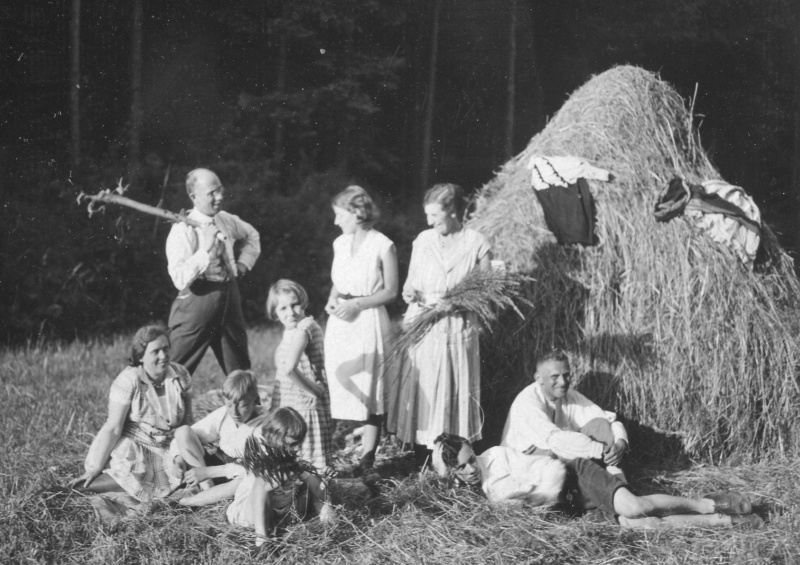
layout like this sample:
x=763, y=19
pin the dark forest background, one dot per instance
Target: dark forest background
x=291, y=101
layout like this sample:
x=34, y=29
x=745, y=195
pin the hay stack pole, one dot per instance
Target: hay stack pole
x=664, y=325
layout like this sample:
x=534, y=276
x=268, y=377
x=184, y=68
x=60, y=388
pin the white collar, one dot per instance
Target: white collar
x=196, y=214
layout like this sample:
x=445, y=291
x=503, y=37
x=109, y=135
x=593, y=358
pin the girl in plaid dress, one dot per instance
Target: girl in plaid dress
x=300, y=362
x=147, y=402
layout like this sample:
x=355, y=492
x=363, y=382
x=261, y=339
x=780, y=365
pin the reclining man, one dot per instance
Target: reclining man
x=547, y=419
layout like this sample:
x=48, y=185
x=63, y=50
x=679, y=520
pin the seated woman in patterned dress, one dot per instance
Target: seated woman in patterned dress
x=147, y=402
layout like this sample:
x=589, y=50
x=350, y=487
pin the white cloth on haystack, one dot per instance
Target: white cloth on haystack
x=547, y=172
x=727, y=230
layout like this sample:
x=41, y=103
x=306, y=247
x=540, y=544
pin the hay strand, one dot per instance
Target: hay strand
x=487, y=294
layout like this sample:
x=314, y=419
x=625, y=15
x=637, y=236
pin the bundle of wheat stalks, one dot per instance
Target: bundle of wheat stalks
x=664, y=325
x=487, y=294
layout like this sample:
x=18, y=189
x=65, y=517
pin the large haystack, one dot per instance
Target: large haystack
x=664, y=325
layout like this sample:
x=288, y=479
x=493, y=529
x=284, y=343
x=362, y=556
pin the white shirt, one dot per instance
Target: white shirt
x=510, y=476
x=534, y=421
x=186, y=261
x=218, y=429
x=547, y=172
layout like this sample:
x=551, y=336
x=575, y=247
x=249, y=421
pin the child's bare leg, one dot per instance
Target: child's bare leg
x=191, y=454
x=318, y=493
x=215, y=494
x=190, y=447
x=678, y=521
x=260, y=513
x=631, y=506
x=370, y=439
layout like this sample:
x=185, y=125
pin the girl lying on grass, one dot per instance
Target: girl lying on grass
x=507, y=475
x=196, y=449
x=300, y=370
x=278, y=487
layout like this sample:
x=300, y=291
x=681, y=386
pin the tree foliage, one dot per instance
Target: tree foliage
x=289, y=101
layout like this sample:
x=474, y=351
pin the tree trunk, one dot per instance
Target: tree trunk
x=346, y=125
x=75, y=85
x=511, y=83
x=278, y=150
x=427, y=132
x=796, y=149
x=135, y=135
x=537, y=102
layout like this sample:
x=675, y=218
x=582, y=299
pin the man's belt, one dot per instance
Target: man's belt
x=202, y=286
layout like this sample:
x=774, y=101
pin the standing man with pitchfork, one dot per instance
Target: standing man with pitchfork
x=204, y=268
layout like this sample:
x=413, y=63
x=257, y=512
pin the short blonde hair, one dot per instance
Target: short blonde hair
x=241, y=384
x=284, y=286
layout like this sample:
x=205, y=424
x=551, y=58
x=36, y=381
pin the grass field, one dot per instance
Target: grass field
x=54, y=400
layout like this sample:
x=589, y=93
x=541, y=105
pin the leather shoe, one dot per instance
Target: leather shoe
x=748, y=522
x=730, y=502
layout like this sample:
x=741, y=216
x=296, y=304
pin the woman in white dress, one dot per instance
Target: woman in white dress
x=364, y=275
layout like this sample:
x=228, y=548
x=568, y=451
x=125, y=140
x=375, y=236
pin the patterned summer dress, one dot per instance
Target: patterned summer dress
x=140, y=462
x=318, y=445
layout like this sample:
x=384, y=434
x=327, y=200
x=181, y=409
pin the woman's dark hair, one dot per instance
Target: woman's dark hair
x=451, y=447
x=356, y=200
x=449, y=196
x=141, y=338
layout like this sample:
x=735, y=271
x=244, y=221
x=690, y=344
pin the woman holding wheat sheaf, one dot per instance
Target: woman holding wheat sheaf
x=439, y=388
x=364, y=275
x=148, y=400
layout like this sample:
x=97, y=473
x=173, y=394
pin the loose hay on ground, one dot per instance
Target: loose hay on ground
x=36, y=527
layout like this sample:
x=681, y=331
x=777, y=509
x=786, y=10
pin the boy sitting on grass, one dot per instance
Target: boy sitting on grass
x=224, y=430
x=508, y=476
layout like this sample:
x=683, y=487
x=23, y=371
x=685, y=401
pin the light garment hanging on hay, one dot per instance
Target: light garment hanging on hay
x=726, y=230
x=733, y=221
x=547, y=172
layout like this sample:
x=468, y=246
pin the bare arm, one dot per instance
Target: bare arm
x=411, y=294
x=333, y=300
x=349, y=309
x=188, y=417
x=103, y=443
x=318, y=489
x=215, y=494
x=286, y=367
x=485, y=262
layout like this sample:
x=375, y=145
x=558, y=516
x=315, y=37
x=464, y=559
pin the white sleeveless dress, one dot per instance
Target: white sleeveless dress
x=355, y=351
